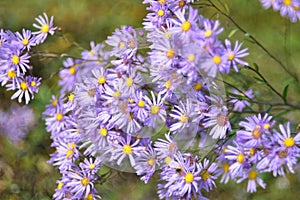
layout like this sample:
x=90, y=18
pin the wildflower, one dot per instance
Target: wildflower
x=253, y=178
x=240, y=104
x=234, y=55
x=26, y=87
x=45, y=27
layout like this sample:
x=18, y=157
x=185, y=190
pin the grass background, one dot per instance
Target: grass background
x=24, y=173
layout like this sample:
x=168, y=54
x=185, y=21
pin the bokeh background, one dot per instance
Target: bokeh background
x=24, y=172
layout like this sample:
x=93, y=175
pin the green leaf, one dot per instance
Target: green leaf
x=256, y=66
x=232, y=33
x=288, y=81
x=259, y=79
x=285, y=92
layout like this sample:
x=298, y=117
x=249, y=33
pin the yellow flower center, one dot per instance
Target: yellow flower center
x=45, y=28
x=127, y=149
x=181, y=3
x=11, y=74
x=189, y=177
x=208, y=33
x=151, y=161
x=252, y=174
x=54, y=102
x=168, y=84
x=183, y=118
x=129, y=82
x=162, y=1
x=267, y=126
x=289, y=142
x=168, y=160
x=167, y=35
x=101, y=80
x=121, y=44
x=217, y=59
x=92, y=166
x=85, y=181
x=141, y=103
x=25, y=42
x=72, y=70
x=71, y=97
x=33, y=83
x=154, y=109
x=103, y=132
x=198, y=86
x=24, y=85
x=15, y=60
x=287, y=2
x=240, y=158
x=252, y=151
x=225, y=167
x=231, y=56
x=59, y=116
x=186, y=26
x=191, y=57
x=160, y=13
x=89, y=197
x=117, y=94
x=256, y=133
x=205, y=175
x=170, y=53
x=60, y=185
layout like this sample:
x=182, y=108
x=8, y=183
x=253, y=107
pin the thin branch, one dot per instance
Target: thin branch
x=255, y=40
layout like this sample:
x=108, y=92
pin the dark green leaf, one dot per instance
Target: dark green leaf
x=256, y=66
x=285, y=92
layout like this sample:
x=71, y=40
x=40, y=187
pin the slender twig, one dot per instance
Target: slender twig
x=255, y=40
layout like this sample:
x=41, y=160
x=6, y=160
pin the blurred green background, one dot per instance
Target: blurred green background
x=24, y=173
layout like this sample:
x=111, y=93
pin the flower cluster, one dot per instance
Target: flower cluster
x=15, y=53
x=287, y=8
x=259, y=148
x=119, y=99
x=21, y=118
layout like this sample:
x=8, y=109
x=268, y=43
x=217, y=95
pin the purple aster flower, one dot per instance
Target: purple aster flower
x=166, y=149
x=210, y=30
x=157, y=112
x=68, y=75
x=185, y=27
x=234, y=55
x=146, y=164
x=25, y=88
x=157, y=16
x=208, y=175
x=26, y=39
x=65, y=155
x=125, y=148
x=253, y=178
x=20, y=63
x=238, y=104
x=184, y=115
x=218, y=120
x=239, y=158
x=123, y=41
x=255, y=129
x=284, y=138
x=139, y=107
x=45, y=27
x=80, y=183
x=91, y=166
x=181, y=177
x=289, y=8
x=56, y=121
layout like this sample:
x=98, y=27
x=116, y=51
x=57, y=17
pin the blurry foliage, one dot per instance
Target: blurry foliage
x=24, y=173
